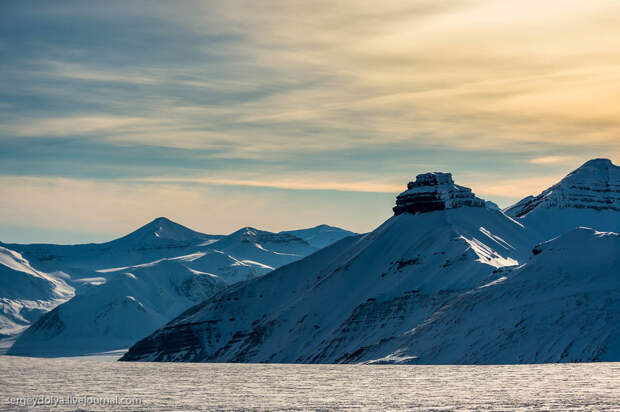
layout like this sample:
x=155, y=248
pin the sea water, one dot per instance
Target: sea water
x=79, y=384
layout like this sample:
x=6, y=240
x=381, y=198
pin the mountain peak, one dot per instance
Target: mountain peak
x=595, y=185
x=162, y=231
x=599, y=163
x=162, y=220
x=434, y=191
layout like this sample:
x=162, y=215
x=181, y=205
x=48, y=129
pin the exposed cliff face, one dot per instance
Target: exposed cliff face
x=434, y=191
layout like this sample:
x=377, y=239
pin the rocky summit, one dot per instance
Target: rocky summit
x=595, y=186
x=434, y=191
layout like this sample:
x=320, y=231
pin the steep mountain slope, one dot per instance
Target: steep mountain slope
x=589, y=196
x=321, y=236
x=25, y=293
x=562, y=306
x=361, y=290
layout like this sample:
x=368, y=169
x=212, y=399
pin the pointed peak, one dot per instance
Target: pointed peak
x=595, y=185
x=161, y=231
x=593, y=167
x=161, y=220
x=434, y=191
x=248, y=230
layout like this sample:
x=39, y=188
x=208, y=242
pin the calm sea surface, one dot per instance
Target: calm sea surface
x=78, y=384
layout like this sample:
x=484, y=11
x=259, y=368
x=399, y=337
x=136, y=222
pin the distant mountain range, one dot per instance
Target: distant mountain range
x=127, y=288
x=449, y=278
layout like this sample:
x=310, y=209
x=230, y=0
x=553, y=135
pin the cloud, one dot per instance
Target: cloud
x=472, y=75
x=553, y=159
x=305, y=181
x=350, y=97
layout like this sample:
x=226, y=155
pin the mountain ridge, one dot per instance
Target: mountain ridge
x=588, y=196
x=412, y=262
x=403, y=293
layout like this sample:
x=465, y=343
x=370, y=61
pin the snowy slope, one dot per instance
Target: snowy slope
x=130, y=305
x=121, y=308
x=354, y=293
x=267, y=248
x=158, y=239
x=562, y=306
x=589, y=196
x=25, y=293
x=321, y=236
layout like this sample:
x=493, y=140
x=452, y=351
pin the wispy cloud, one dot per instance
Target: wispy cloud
x=344, y=96
x=544, y=160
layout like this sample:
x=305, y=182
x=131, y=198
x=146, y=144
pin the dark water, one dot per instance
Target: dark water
x=77, y=384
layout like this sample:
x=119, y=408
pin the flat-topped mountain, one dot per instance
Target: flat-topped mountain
x=434, y=191
x=360, y=290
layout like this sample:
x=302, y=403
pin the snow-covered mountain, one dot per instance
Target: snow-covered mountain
x=116, y=305
x=130, y=305
x=26, y=293
x=320, y=236
x=270, y=249
x=441, y=242
x=589, y=196
x=158, y=239
x=562, y=306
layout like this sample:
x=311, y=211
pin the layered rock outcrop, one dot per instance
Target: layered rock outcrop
x=595, y=185
x=434, y=191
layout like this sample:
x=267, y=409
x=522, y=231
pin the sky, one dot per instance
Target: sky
x=289, y=114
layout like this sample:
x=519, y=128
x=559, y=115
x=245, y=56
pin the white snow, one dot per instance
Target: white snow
x=447, y=283
x=353, y=293
x=589, y=196
x=449, y=279
x=118, y=304
x=26, y=293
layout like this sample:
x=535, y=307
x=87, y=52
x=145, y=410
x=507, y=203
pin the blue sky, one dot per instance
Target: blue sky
x=286, y=114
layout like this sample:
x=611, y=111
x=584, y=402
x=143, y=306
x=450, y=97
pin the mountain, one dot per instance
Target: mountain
x=589, y=196
x=271, y=249
x=26, y=293
x=562, y=306
x=130, y=305
x=119, y=305
x=320, y=236
x=442, y=242
x=158, y=239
